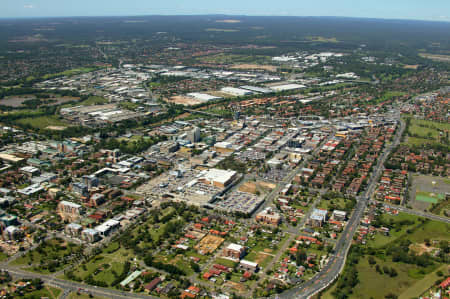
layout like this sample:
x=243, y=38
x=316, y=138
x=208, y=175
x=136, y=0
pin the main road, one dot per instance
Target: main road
x=417, y=213
x=73, y=286
x=336, y=263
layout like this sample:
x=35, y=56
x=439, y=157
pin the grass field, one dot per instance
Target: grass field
x=424, y=131
x=105, y=266
x=3, y=256
x=83, y=296
x=373, y=284
x=48, y=257
x=94, y=100
x=429, y=197
x=42, y=122
x=422, y=285
x=45, y=292
x=332, y=204
x=411, y=280
x=71, y=72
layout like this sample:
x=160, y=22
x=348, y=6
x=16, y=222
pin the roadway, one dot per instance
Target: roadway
x=73, y=286
x=417, y=213
x=336, y=263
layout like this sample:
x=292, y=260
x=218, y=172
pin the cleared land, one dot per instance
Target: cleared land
x=270, y=68
x=436, y=57
x=182, y=100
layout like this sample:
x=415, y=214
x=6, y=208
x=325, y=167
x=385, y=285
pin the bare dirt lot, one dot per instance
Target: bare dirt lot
x=270, y=68
x=183, y=100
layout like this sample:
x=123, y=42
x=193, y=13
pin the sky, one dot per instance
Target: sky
x=436, y=10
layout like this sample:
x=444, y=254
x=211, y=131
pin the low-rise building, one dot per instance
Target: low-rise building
x=73, y=229
x=268, y=216
x=248, y=265
x=69, y=211
x=217, y=177
x=339, y=215
x=318, y=217
x=234, y=251
x=90, y=235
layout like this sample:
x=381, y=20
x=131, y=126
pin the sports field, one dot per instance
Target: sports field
x=429, y=197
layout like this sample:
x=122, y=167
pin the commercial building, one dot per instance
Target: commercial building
x=73, y=229
x=90, y=181
x=107, y=227
x=217, y=177
x=268, y=216
x=239, y=92
x=287, y=87
x=69, y=211
x=90, y=235
x=339, y=215
x=30, y=190
x=80, y=189
x=234, y=251
x=194, y=135
x=12, y=233
x=203, y=97
x=318, y=217
x=30, y=171
x=248, y=265
x=257, y=89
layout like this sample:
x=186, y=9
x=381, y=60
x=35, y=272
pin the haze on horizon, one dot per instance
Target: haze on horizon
x=434, y=10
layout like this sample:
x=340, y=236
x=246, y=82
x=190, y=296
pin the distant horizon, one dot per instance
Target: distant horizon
x=224, y=15
x=415, y=10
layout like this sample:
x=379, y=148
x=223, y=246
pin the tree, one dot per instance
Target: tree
x=300, y=257
x=195, y=267
x=393, y=272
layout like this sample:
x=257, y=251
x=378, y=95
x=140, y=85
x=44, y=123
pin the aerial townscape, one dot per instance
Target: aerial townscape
x=224, y=157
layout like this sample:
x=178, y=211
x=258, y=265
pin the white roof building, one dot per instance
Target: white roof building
x=235, y=247
x=287, y=87
x=215, y=175
x=236, y=91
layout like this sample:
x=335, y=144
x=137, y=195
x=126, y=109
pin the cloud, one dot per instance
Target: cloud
x=28, y=6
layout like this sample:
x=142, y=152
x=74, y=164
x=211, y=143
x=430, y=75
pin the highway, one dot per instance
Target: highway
x=336, y=263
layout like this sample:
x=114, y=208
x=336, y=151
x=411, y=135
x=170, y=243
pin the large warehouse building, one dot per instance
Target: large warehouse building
x=217, y=177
